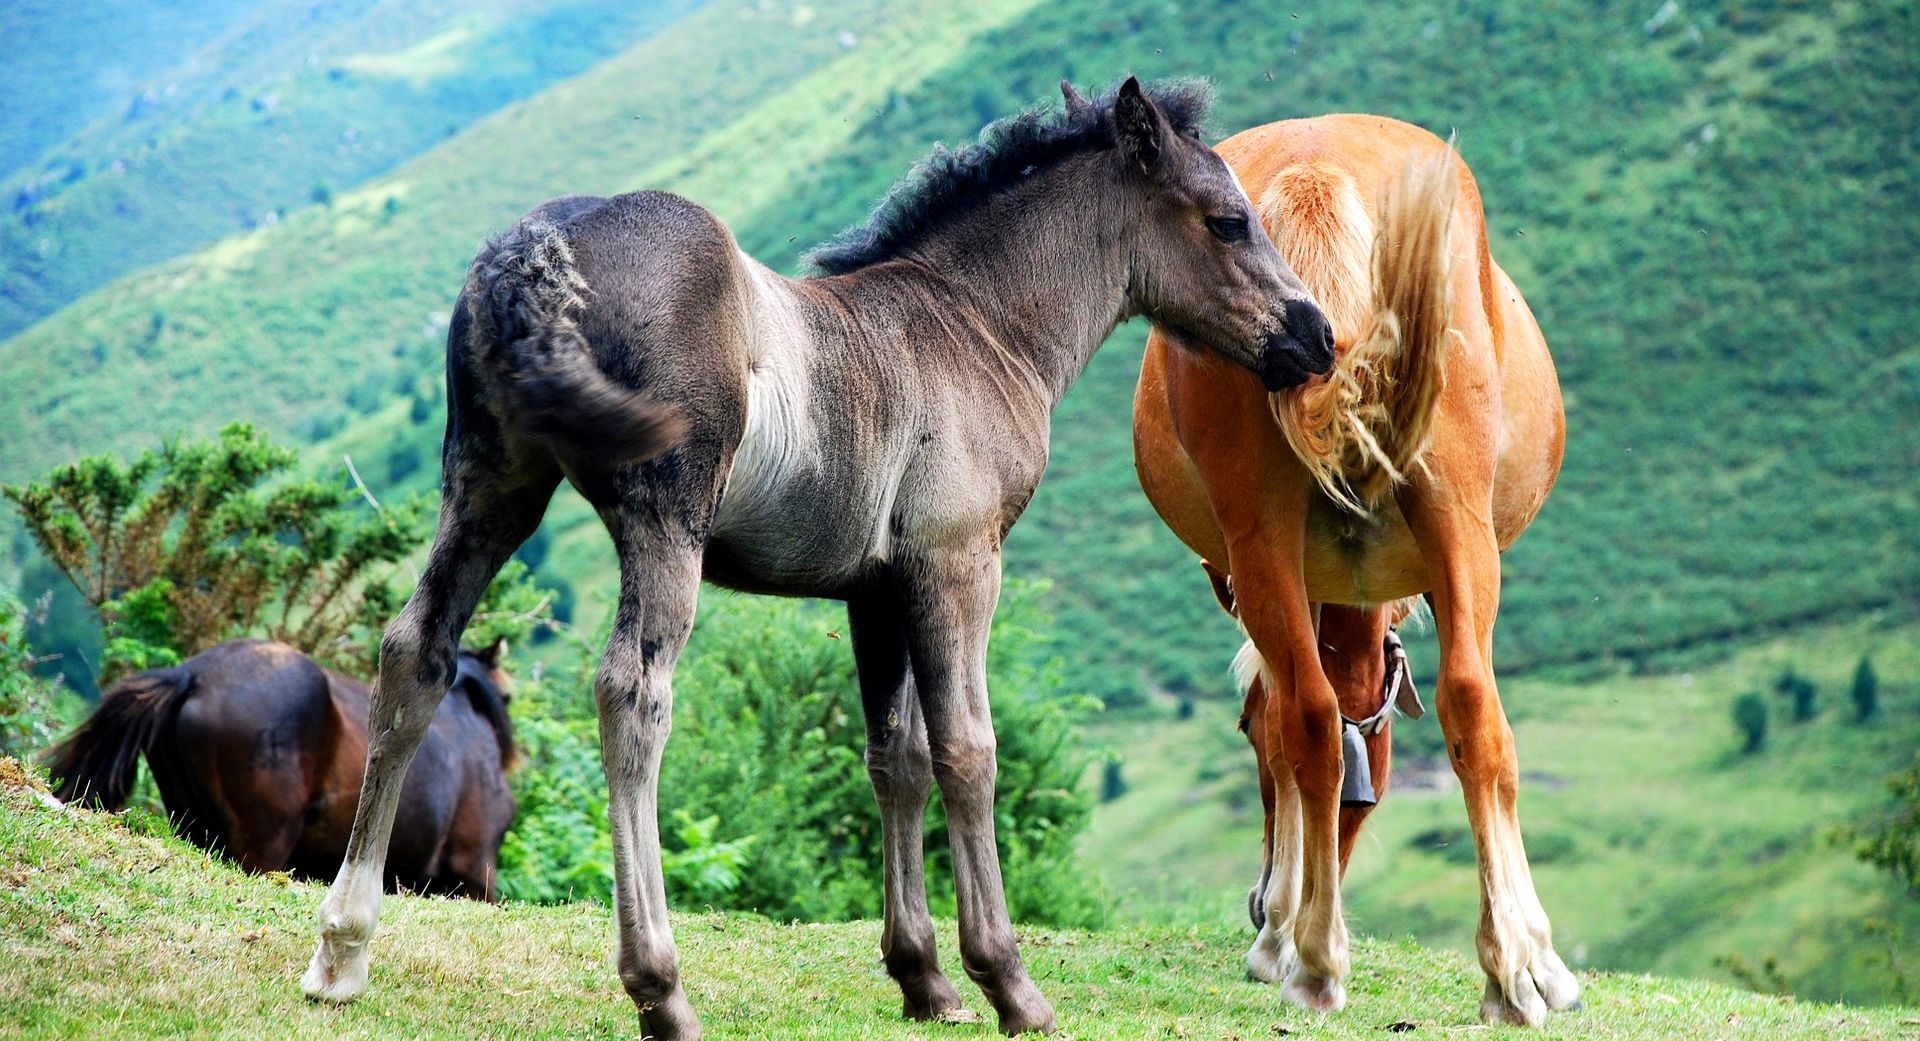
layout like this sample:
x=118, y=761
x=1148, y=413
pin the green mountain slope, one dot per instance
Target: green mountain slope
x=1705, y=213
x=194, y=949
x=65, y=65
x=294, y=101
x=1656, y=845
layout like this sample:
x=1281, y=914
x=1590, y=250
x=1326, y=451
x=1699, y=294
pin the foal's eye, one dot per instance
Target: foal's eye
x=1228, y=229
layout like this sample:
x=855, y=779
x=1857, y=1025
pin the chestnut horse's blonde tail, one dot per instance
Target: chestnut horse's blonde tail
x=1388, y=292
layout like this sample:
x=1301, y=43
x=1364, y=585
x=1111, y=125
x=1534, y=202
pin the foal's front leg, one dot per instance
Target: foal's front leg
x=949, y=602
x=901, y=768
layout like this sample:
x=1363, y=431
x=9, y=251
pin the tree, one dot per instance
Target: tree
x=1802, y=690
x=1750, y=715
x=1866, y=689
x=1893, y=845
x=208, y=540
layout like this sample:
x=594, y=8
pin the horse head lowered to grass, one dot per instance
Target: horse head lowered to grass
x=869, y=434
x=1403, y=471
x=258, y=754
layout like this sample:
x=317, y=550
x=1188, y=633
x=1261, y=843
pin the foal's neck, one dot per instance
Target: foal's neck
x=1040, y=271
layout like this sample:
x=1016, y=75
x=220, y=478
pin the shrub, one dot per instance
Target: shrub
x=1866, y=690
x=764, y=779
x=205, y=541
x=26, y=700
x=1750, y=715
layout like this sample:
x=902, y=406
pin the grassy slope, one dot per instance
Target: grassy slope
x=124, y=42
x=1700, y=430
x=1655, y=844
x=127, y=935
x=292, y=96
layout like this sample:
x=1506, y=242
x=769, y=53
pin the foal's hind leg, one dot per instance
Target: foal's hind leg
x=482, y=520
x=1525, y=976
x=659, y=589
x=901, y=768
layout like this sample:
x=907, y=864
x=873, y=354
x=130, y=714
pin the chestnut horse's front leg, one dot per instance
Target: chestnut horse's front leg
x=1303, y=714
x=1455, y=532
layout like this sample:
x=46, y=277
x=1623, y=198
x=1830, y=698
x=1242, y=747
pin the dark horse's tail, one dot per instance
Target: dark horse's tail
x=98, y=763
x=523, y=296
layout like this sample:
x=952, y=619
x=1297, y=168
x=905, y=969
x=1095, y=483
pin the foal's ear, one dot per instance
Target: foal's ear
x=1138, y=124
x=494, y=653
x=1075, y=103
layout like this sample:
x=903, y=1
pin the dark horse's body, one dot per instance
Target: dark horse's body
x=259, y=754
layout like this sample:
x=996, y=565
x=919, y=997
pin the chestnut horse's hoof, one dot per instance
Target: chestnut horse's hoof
x=1518, y=1004
x=1317, y=993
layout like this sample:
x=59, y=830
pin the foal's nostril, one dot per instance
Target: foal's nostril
x=1313, y=332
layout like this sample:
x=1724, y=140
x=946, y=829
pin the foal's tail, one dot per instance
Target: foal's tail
x=523, y=295
x=97, y=764
x=1363, y=428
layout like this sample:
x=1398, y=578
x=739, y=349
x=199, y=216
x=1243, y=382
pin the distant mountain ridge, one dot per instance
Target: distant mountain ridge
x=288, y=103
x=1707, y=214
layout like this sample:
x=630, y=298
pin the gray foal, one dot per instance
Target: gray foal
x=868, y=434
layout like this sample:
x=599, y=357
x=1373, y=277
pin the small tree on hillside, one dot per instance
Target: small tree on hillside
x=1750, y=715
x=1804, y=694
x=204, y=541
x=1866, y=690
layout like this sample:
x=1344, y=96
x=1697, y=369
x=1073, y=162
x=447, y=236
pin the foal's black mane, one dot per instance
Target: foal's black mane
x=950, y=183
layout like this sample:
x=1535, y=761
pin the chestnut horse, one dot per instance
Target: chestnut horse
x=259, y=752
x=1406, y=470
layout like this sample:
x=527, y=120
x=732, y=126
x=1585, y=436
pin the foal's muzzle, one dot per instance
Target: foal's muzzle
x=1301, y=348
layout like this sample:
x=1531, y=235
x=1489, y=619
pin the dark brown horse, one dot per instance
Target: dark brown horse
x=259, y=754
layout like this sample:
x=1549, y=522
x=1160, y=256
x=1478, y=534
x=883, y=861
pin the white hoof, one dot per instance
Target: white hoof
x=1317, y=993
x=1272, y=957
x=338, y=971
x=1558, y=985
x=1518, y=1004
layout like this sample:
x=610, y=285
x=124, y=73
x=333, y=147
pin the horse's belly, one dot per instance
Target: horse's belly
x=1352, y=560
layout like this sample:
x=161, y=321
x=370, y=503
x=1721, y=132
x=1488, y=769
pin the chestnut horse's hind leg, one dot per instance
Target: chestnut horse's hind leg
x=1273, y=957
x=949, y=606
x=1525, y=976
x=482, y=521
x=901, y=768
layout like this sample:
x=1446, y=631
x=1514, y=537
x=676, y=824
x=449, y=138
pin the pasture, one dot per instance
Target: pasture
x=131, y=934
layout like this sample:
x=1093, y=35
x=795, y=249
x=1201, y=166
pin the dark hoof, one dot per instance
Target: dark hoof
x=670, y=1019
x=930, y=999
x=1025, y=1012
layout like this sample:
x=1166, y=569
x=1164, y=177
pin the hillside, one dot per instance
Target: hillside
x=1655, y=844
x=1742, y=377
x=128, y=41
x=289, y=103
x=122, y=934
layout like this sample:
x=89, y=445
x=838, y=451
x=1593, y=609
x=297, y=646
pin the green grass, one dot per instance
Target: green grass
x=1656, y=845
x=130, y=935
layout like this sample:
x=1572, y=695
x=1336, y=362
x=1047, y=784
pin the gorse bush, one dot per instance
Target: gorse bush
x=764, y=796
x=207, y=540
